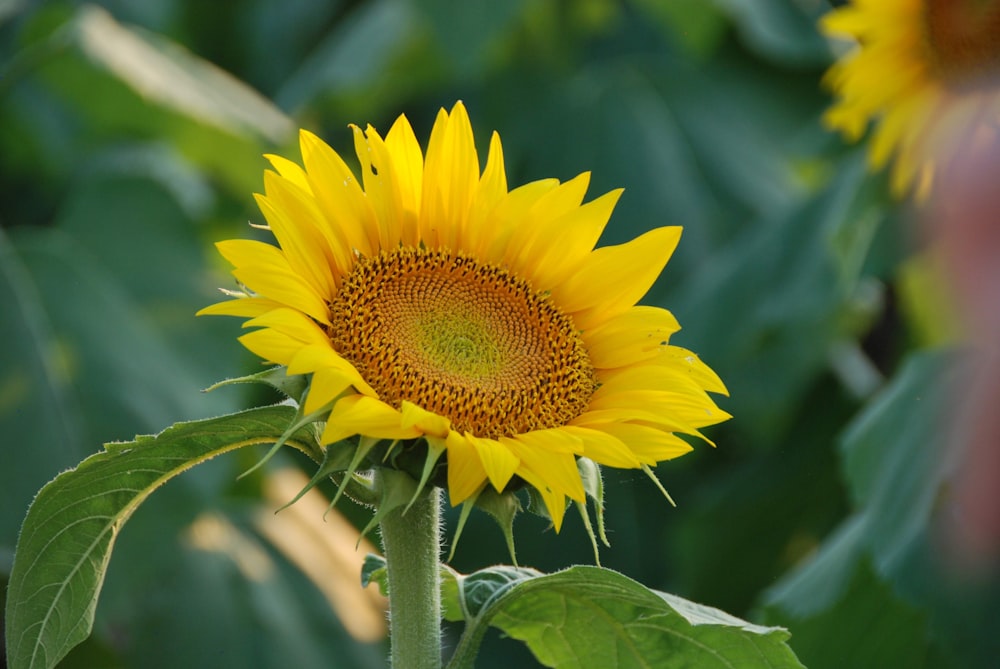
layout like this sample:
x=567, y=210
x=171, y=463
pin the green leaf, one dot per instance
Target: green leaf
x=593, y=617
x=67, y=537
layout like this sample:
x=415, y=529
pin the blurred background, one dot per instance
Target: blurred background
x=131, y=138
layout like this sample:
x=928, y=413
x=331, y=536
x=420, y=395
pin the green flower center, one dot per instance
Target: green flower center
x=468, y=341
x=964, y=38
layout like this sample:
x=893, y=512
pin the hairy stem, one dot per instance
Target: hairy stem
x=412, y=544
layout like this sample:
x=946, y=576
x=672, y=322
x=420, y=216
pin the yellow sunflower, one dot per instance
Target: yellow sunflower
x=925, y=70
x=426, y=300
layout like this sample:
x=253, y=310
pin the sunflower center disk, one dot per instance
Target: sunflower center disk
x=964, y=38
x=465, y=340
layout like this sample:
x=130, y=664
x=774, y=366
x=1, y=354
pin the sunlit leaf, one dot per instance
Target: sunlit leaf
x=593, y=617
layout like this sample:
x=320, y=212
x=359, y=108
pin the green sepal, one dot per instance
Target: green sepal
x=502, y=507
x=593, y=486
x=652, y=475
x=462, y=517
x=365, y=444
x=397, y=489
x=293, y=386
x=435, y=449
x=336, y=458
x=300, y=421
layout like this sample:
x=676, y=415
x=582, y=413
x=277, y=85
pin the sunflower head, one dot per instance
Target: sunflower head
x=925, y=72
x=434, y=310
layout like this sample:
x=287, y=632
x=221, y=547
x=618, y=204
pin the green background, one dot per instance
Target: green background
x=131, y=136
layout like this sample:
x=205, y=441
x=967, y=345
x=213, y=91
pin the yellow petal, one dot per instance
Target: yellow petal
x=408, y=168
x=301, y=207
x=451, y=177
x=605, y=448
x=271, y=345
x=613, y=278
x=564, y=243
x=302, y=245
x=636, y=335
x=292, y=323
x=265, y=270
x=241, y=306
x=338, y=193
x=466, y=474
x=649, y=444
x=508, y=215
x=427, y=422
x=318, y=357
x=290, y=171
x=381, y=187
x=326, y=385
x=492, y=190
x=556, y=467
x=551, y=206
x=359, y=414
x=498, y=461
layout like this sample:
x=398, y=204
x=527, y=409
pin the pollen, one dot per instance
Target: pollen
x=466, y=340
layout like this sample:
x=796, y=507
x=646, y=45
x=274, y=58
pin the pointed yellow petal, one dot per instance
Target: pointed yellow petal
x=271, y=345
x=301, y=207
x=249, y=307
x=614, y=278
x=265, y=270
x=605, y=448
x=290, y=171
x=381, y=187
x=292, y=323
x=557, y=468
x=451, y=177
x=631, y=337
x=508, y=215
x=327, y=385
x=492, y=190
x=561, y=245
x=684, y=408
x=466, y=474
x=302, y=245
x=408, y=169
x=549, y=207
x=359, y=414
x=498, y=461
x=319, y=357
x=338, y=194
x=649, y=444
x=427, y=422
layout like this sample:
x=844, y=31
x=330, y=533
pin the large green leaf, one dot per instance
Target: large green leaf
x=594, y=617
x=67, y=537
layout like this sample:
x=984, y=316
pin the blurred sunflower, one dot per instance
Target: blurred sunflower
x=428, y=301
x=925, y=70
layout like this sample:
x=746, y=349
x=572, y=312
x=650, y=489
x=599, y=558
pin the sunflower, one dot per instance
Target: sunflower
x=428, y=301
x=925, y=70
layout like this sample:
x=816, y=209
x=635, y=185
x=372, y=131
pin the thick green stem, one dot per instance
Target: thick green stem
x=412, y=544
